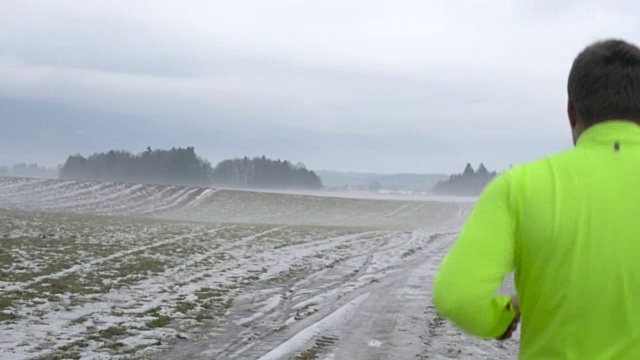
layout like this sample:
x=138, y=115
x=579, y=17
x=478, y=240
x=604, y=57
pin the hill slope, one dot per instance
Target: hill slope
x=210, y=205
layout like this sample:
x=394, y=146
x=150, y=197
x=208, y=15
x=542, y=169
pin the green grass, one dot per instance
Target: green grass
x=185, y=306
x=63, y=356
x=6, y=259
x=7, y=317
x=203, y=316
x=112, y=332
x=251, y=278
x=114, y=346
x=208, y=293
x=5, y=303
x=159, y=322
x=228, y=304
x=80, y=320
x=140, y=265
x=53, y=298
x=76, y=344
x=74, y=284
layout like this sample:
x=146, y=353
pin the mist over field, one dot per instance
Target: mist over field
x=263, y=179
x=120, y=270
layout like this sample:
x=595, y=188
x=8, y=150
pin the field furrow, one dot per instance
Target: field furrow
x=132, y=271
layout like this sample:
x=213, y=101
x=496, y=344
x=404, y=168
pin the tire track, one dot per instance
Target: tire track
x=327, y=289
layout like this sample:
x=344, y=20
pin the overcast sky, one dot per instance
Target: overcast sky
x=485, y=80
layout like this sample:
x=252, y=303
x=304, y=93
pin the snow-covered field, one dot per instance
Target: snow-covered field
x=121, y=271
x=210, y=205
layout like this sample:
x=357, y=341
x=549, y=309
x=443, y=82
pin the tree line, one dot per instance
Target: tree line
x=181, y=166
x=468, y=183
x=265, y=173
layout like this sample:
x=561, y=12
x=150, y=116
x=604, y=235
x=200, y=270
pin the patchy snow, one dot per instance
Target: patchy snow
x=272, y=303
x=337, y=318
x=261, y=275
x=202, y=204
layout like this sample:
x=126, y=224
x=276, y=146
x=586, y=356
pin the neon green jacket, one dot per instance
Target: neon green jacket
x=569, y=225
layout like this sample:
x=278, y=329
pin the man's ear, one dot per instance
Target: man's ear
x=573, y=116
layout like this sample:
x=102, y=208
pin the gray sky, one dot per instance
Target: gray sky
x=484, y=81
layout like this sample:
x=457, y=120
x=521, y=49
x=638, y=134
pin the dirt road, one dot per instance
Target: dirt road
x=387, y=317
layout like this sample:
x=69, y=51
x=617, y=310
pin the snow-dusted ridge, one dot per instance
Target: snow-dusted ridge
x=211, y=205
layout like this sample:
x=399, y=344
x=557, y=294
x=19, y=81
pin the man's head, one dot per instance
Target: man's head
x=604, y=84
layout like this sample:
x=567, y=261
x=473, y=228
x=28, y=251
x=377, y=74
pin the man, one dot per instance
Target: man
x=568, y=224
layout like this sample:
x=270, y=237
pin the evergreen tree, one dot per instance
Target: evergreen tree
x=261, y=172
x=469, y=183
x=468, y=170
x=482, y=170
x=178, y=166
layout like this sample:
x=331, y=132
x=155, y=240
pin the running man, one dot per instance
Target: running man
x=568, y=224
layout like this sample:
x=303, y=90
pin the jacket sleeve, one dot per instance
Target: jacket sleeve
x=472, y=272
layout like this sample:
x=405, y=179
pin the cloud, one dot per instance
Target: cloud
x=484, y=77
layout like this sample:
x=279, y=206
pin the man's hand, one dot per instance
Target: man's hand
x=514, y=324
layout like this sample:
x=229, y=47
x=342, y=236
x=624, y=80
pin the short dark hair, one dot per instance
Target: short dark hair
x=604, y=82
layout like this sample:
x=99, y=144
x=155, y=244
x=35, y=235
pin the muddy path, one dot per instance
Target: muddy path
x=375, y=305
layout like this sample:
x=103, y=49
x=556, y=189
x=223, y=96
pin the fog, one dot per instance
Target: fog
x=368, y=86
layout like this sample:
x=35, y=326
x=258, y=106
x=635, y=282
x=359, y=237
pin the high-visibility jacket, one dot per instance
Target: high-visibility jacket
x=569, y=225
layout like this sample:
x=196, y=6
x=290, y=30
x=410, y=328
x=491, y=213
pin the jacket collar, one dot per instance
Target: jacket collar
x=609, y=133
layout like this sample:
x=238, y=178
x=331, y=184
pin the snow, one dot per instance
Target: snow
x=340, y=316
x=289, y=274
x=201, y=204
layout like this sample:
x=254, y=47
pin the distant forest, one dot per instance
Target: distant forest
x=265, y=173
x=177, y=166
x=469, y=183
x=181, y=166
